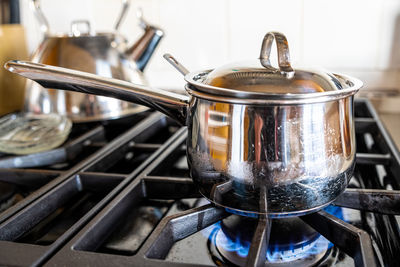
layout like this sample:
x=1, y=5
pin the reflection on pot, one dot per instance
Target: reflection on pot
x=294, y=151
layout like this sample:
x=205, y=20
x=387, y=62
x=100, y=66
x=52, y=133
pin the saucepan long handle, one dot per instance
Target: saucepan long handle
x=171, y=104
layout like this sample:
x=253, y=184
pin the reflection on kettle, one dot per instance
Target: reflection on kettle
x=105, y=54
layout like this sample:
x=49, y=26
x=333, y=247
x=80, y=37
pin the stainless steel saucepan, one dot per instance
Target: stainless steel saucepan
x=261, y=140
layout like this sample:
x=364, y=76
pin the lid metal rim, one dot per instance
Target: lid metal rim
x=206, y=91
x=249, y=101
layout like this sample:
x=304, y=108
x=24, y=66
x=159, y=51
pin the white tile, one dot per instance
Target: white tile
x=389, y=40
x=357, y=35
x=60, y=13
x=195, y=33
x=102, y=14
x=341, y=33
x=377, y=79
x=32, y=31
x=168, y=79
x=106, y=12
x=250, y=20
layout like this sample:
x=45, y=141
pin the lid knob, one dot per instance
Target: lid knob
x=283, y=53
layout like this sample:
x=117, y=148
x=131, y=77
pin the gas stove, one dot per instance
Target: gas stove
x=119, y=193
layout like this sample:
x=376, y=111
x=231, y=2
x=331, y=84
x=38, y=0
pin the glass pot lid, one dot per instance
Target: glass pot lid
x=259, y=79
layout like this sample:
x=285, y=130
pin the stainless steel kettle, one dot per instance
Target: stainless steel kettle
x=105, y=54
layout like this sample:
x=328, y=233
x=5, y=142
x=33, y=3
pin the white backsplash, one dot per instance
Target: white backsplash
x=361, y=36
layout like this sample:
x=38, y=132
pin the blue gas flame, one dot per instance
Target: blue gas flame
x=274, y=253
x=241, y=247
x=320, y=245
x=335, y=211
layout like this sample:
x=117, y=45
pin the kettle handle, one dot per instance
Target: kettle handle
x=43, y=22
x=122, y=15
x=143, y=48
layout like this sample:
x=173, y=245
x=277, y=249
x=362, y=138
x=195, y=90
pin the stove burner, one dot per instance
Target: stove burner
x=291, y=241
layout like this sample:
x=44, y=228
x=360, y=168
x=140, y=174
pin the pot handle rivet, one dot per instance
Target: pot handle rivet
x=283, y=53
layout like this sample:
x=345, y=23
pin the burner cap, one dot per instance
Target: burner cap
x=291, y=241
x=286, y=233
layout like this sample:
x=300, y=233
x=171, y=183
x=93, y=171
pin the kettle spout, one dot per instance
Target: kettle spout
x=142, y=50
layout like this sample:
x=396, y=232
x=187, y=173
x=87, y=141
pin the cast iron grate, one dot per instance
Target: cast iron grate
x=167, y=178
x=55, y=200
x=27, y=177
x=163, y=176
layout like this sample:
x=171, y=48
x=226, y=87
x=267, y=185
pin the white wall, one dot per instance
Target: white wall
x=356, y=36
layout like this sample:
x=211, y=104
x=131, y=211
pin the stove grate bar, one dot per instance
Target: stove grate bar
x=159, y=187
x=220, y=189
x=363, y=125
x=39, y=159
x=260, y=240
x=176, y=227
x=352, y=240
x=372, y=200
x=58, y=155
x=142, y=147
x=28, y=177
x=259, y=243
x=373, y=159
x=103, y=174
x=384, y=140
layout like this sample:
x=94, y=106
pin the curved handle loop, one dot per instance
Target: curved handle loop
x=283, y=53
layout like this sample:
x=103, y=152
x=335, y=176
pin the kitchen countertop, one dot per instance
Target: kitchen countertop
x=382, y=88
x=392, y=124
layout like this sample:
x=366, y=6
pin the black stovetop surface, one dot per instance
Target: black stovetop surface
x=119, y=193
